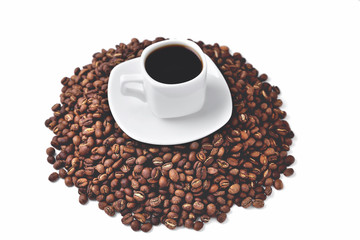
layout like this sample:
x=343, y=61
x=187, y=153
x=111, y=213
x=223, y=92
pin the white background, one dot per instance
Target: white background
x=310, y=49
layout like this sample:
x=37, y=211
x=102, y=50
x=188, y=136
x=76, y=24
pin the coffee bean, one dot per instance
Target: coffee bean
x=54, y=177
x=58, y=164
x=140, y=217
x=189, y=223
x=109, y=210
x=155, y=221
x=173, y=175
x=146, y=227
x=212, y=170
x=68, y=181
x=289, y=160
x=127, y=219
x=163, y=182
x=196, y=183
x=51, y=159
x=258, y=203
x=83, y=199
x=194, y=146
x=139, y=196
x=211, y=209
x=246, y=202
x=50, y=151
x=62, y=173
x=82, y=182
x=154, y=202
x=198, y=205
x=278, y=184
x=288, y=172
x=135, y=225
x=221, y=217
x=234, y=189
x=198, y=225
x=170, y=223
x=189, y=198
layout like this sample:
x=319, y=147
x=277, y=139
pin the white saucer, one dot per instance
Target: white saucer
x=136, y=119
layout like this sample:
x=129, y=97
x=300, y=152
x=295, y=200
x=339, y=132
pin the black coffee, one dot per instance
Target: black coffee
x=173, y=64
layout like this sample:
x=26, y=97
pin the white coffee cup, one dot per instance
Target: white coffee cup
x=168, y=100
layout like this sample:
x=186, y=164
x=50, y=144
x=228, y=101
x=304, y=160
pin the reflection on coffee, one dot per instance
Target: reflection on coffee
x=173, y=64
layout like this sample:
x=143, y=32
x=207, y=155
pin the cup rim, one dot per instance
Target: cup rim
x=190, y=44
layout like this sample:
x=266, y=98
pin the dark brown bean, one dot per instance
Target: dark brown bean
x=211, y=209
x=146, y=227
x=258, y=203
x=234, y=189
x=246, y=202
x=221, y=217
x=54, y=177
x=170, y=223
x=288, y=172
x=174, y=176
x=278, y=184
x=135, y=225
x=83, y=199
x=109, y=210
x=127, y=219
x=50, y=151
x=198, y=225
x=189, y=223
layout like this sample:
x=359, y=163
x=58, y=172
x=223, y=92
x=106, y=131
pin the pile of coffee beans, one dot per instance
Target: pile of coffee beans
x=182, y=185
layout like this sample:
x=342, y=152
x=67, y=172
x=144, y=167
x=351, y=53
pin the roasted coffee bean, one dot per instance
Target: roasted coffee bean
x=50, y=151
x=175, y=185
x=53, y=177
x=109, y=210
x=196, y=183
x=154, y=202
x=198, y=225
x=173, y=175
x=211, y=209
x=189, y=198
x=205, y=218
x=170, y=223
x=155, y=221
x=234, y=189
x=221, y=217
x=288, y=172
x=189, y=223
x=289, y=160
x=51, y=159
x=258, y=203
x=68, y=181
x=246, y=202
x=83, y=199
x=194, y=146
x=146, y=227
x=278, y=184
x=139, y=196
x=198, y=205
x=140, y=217
x=135, y=225
x=127, y=219
x=163, y=182
x=62, y=173
x=58, y=164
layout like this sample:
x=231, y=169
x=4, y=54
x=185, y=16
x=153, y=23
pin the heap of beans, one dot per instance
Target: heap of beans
x=174, y=185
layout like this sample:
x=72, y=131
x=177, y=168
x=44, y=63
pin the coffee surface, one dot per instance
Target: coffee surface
x=173, y=64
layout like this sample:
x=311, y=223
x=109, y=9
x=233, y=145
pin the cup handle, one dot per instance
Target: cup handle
x=132, y=78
